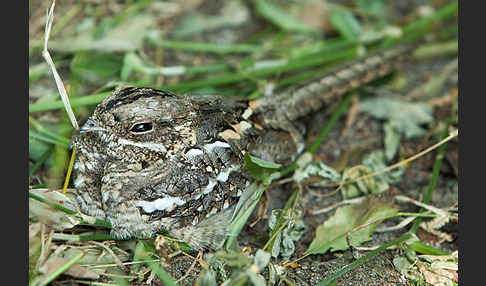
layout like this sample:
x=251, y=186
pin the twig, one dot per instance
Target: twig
x=342, y=203
x=198, y=259
x=45, y=243
x=116, y=258
x=319, y=195
x=366, y=248
x=262, y=210
x=57, y=78
x=96, y=266
x=433, y=209
x=433, y=178
x=70, y=169
x=402, y=224
x=452, y=135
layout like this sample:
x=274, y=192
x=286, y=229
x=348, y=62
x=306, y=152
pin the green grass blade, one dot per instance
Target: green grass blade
x=36, y=197
x=62, y=269
x=419, y=28
x=331, y=278
x=280, y=18
x=48, y=139
x=160, y=272
x=81, y=237
x=283, y=220
x=54, y=205
x=205, y=47
x=343, y=106
x=144, y=252
x=433, y=179
x=423, y=248
x=41, y=161
x=329, y=125
x=243, y=213
x=77, y=101
x=291, y=65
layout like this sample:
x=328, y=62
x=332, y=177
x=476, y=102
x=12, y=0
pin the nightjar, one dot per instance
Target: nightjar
x=149, y=160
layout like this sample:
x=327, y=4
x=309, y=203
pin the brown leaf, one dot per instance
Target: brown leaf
x=55, y=262
x=79, y=271
x=315, y=14
x=49, y=215
x=441, y=271
x=441, y=277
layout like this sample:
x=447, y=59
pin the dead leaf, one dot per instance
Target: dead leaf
x=436, y=269
x=332, y=233
x=315, y=14
x=352, y=114
x=78, y=271
x=52, y=264
x=232, y=14
x=405, y=117
x=438, y=276
x=34, y=229
x=127, y=36
x=435, y=82
x=433, y=226
x=49, y=215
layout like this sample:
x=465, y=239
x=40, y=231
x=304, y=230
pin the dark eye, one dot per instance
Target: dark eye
x=141, y=127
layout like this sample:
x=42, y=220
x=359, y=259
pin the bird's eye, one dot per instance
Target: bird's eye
x=141, y=127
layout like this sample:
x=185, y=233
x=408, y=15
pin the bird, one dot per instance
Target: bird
x=150, y=160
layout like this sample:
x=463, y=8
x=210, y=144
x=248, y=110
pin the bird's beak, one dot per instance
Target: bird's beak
x=90, y=126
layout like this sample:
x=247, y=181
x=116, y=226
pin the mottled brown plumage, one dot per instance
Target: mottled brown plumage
x=150, y=160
